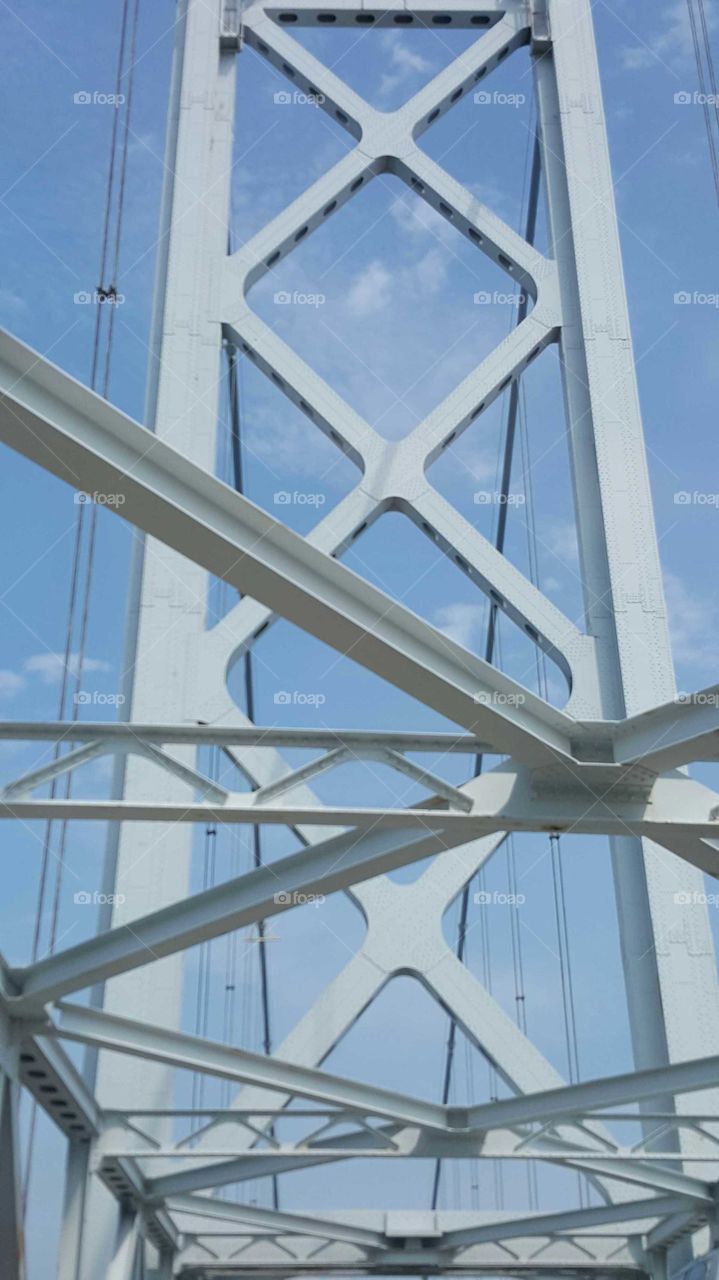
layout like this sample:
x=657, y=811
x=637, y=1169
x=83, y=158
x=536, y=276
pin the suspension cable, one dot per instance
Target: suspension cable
x=81, y=577
x=560, y=907
x=239, y=484
x=491, y=636
x=705, y=67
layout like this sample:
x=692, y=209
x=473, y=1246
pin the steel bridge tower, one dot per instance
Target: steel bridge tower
x=611, y=763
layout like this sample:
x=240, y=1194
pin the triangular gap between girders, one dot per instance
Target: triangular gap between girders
x=486, y=143
x=87, y=759
x=417, y=1053
x=460, y=606
x=382, y=784
x=389, y=70
x=267, y=178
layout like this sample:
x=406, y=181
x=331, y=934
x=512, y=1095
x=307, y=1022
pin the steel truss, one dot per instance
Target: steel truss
x=610, y=764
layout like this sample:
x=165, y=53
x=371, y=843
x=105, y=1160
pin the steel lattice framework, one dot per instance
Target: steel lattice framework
x=611, y=763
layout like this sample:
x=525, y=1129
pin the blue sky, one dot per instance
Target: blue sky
x=397, y=326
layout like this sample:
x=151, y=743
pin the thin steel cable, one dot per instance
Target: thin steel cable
x=702, y=52
x=79, y=583
x=239, y=484
x=491, y=636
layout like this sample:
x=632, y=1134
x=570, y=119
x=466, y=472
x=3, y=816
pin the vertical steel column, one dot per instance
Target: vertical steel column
x=149, y=865
x=669, y=961
x=77, y=1171
x=12, y=1241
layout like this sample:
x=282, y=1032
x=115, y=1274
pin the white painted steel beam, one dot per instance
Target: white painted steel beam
x=175, y=1048
x=65, y=428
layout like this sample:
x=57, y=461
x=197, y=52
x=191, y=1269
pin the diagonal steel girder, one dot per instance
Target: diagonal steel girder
x=59, y=424
x=277, y=1223
x=331, y=865
x=503, y=1228
x=175, y=1048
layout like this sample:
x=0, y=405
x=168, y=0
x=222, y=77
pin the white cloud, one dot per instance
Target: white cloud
x=49, y=666
x=462, y=623
x=11, y=303
x=560, y=538
x=431, y=272
x=692, y=624
x=371, y=290
x=10, y=684
x=670, y=42
x=405, y=64
x=417, y=218
x=480, y=463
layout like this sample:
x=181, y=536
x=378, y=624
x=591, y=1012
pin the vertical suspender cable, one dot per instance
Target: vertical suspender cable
x=82, y=577
x=560, y=907
x=499, y=542
x=239, y=480
x=703, y=55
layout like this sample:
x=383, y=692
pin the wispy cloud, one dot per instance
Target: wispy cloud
x=462, y=623
x=371, y=290
x=405, y=65
x=48, y=667
x=670, y=42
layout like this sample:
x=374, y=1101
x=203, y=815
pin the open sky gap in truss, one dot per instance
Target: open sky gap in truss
x=139, y=1200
